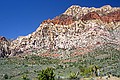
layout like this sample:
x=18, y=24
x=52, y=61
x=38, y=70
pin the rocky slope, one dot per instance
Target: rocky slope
x=77, y=27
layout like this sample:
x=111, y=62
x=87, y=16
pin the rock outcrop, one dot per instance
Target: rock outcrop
x=61, y=20
x=77, y=27
x=91, y=16
x=4, y=47
x=111, y=17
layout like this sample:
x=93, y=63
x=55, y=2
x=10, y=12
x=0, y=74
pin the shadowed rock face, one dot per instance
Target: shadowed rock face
x=78, y=27
x=2, y=39
x=4, y=47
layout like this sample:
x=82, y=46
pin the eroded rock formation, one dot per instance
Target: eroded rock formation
x=4, y=47
x=91, y=16
x=78, y=27
x=61, y=20
x=111, y=17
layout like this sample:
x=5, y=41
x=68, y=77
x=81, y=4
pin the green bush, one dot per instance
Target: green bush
x=88, y=71
x=5, y=76
x=73, y=75
x=25, y=77
x=46, y=74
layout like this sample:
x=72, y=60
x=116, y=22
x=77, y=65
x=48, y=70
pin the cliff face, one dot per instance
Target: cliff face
x=77, y=27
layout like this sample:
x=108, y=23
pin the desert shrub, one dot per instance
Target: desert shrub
x=46, y=74
x=88, y=71
x=5, y=76
x=73, y=75
x=25, y=77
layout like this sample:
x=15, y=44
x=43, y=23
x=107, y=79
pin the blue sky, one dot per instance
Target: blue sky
x=22, y=17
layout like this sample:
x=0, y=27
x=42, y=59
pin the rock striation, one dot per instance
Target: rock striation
x=61, y=20
x=77, y=27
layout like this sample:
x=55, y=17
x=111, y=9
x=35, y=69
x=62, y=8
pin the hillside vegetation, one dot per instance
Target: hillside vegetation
x=106, y=59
